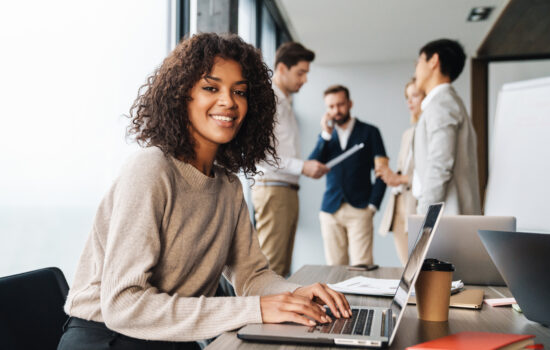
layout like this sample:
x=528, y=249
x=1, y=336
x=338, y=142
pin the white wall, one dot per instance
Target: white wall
x=501, y=73
x=377, y=91
x=70, y=70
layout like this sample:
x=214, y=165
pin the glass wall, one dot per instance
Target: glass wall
x=70, y=71
x=247, y=21
x=269, y=37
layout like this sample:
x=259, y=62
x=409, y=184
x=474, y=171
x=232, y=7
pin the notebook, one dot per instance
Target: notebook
x=478, y=341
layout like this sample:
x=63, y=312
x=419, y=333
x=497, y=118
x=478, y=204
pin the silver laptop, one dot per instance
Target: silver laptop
x=522, y=258
x=368, y=326
x=457, y=242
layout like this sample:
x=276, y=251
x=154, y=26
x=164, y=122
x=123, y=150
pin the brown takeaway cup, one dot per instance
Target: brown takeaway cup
x=433, y=290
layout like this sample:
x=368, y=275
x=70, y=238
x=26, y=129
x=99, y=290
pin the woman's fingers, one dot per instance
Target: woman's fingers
x=327, y=299
x=335, y=301
x=341, y=300
x=307, y=307
x=303, y=307
x=277, y=308
x=296, y=318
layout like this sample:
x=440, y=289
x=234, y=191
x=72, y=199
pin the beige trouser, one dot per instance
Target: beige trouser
x=349, y=229
x=400, y=236
x=276, y=214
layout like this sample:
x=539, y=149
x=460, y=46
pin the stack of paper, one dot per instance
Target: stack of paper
x=377, y=286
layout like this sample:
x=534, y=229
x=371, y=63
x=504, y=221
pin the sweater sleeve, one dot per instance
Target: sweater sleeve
x=130, y=303
x=248, y=268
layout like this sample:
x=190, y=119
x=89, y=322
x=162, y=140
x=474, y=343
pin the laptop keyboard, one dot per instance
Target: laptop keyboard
x=360, y=323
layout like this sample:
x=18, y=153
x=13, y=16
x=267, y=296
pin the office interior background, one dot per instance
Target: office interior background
x=71, y=70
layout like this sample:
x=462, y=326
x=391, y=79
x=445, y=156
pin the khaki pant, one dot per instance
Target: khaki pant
x=347, y=235
x=400, y=235
x=276, y=214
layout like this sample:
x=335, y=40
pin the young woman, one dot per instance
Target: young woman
x=402, y=202
x=175, y=219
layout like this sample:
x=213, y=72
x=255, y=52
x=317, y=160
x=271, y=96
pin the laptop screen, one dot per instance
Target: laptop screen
x=416, y=259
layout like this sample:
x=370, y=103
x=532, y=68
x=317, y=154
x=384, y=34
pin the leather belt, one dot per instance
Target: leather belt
x=277, y=183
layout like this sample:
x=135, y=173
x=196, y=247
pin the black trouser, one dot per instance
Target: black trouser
x=79, y=334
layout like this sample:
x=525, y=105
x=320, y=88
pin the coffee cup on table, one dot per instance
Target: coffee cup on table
x=433, y=290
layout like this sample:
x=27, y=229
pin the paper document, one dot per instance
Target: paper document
x=344, y=155
x=376, y=286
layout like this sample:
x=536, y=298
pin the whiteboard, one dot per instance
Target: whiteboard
x=519, y=166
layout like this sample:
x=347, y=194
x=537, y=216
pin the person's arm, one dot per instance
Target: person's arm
x=281, y=301
x=131, y=303
x=247, y=267
x=442, y=128
x=295, y=166
x=289, y=165
x=391, y=178
x=320, y=152
x=379, y=187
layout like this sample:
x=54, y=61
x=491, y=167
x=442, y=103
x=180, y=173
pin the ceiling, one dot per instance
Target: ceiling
x=375, y=31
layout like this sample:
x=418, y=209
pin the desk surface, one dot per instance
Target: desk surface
x=411, y=330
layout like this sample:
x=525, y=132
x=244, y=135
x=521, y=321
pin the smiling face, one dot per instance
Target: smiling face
x=219, y=104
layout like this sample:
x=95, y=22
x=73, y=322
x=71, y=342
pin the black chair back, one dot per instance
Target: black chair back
x=31, y=309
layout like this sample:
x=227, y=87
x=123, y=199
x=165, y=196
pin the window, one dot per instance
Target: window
x=70, y=71
x=269, y=37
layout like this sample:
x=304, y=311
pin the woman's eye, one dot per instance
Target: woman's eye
x=241, y=93
x=210, y=88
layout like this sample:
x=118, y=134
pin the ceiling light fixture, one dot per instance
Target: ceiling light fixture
x=478, y=14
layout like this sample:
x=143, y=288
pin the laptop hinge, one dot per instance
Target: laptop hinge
x=387, y=323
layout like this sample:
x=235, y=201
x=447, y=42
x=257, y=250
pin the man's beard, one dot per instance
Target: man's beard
x=342, y=120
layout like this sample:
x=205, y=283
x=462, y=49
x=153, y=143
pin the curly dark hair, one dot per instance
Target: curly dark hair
x=159, y=114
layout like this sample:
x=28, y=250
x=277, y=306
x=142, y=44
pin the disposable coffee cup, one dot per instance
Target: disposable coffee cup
x=433, y=290
x=380, y=162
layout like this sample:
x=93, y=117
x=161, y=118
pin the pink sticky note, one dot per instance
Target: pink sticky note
x=500, y=301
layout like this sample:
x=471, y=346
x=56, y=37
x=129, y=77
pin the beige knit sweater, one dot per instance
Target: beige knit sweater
x=161, y=238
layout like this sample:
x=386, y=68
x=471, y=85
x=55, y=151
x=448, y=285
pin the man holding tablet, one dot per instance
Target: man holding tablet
x=351, y=199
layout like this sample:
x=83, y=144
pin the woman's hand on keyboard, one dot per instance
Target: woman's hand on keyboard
x=289, y=307
x=323, y=295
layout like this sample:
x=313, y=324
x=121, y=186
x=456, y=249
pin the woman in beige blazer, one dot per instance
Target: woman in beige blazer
x=402, y=203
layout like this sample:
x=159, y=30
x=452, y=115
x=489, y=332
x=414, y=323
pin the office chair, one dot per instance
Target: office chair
x=31, y=309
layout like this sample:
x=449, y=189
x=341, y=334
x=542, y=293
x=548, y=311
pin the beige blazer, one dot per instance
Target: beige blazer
x=406, y=193
x=445, y=156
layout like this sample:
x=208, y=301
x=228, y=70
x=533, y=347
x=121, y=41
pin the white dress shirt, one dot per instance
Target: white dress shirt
x=343, y=134
x=287, y=144
x=416, y=184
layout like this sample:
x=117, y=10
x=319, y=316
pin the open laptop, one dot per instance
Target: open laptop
x=457, y=242
x=523, y=259
x=368, y=326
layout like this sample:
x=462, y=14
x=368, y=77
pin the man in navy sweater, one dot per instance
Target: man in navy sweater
x=351, y=199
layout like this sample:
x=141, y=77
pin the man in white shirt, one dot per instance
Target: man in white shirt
x=445, y=153
x=275, y=193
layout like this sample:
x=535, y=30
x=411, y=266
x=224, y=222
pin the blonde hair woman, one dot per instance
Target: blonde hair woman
x=402, y=203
